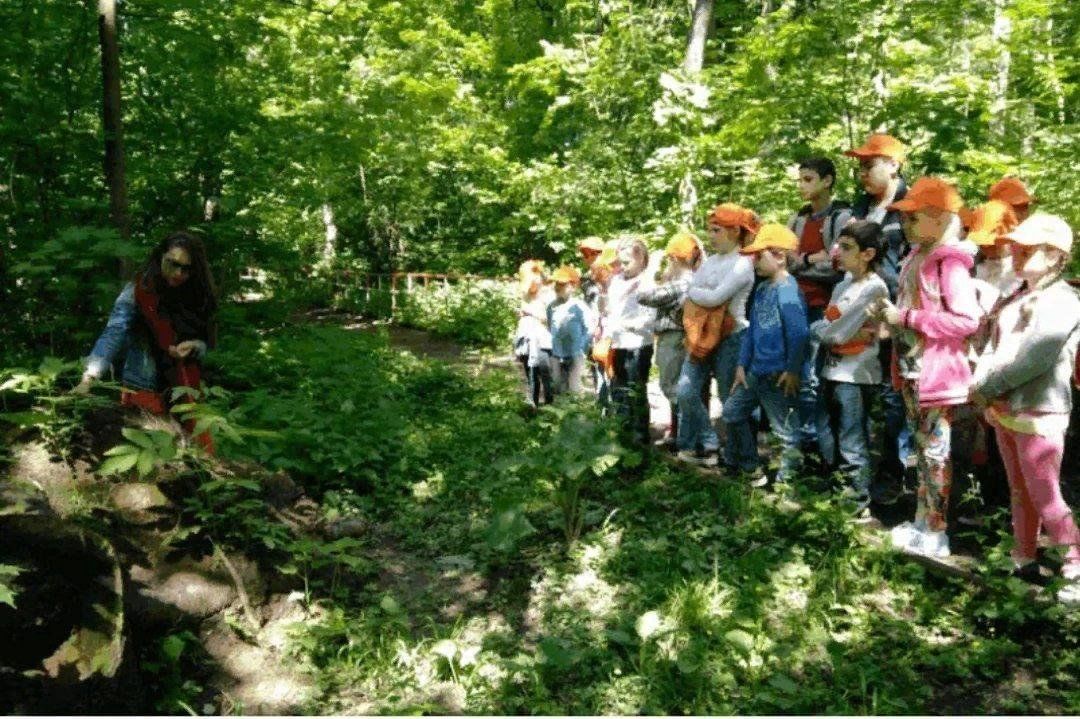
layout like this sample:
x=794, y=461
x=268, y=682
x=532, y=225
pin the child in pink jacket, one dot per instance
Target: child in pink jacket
x=936, y=312
x=1023, y=379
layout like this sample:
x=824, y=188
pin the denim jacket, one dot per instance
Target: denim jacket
x=139, y=368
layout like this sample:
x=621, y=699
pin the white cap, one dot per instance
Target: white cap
x=1044, y=229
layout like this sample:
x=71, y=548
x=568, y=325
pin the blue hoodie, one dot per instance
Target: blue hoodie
x=776, y=339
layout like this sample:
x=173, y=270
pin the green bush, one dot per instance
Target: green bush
x=475, y=313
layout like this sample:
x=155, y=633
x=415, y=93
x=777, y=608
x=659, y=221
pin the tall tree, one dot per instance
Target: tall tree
x=111, y=116
x=701, y=17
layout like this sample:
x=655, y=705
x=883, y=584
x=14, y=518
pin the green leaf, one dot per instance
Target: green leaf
x=743, y=641
x=118, y=465
x=137, y=437
x=146, y=462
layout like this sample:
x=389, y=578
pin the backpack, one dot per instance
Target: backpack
x=828, y=276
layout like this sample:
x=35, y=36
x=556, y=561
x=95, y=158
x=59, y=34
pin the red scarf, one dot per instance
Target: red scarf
x=183, y=373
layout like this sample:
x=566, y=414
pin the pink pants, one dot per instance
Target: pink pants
x=1033, y=465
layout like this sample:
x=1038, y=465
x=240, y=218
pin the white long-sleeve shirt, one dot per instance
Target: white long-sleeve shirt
x=629, y=323
x=724, y=278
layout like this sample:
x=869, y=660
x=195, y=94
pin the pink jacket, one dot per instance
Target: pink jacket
x=948, y=314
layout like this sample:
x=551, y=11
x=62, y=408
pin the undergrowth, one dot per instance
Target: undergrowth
x=676, y=593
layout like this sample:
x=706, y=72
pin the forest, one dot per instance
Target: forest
x=383, y=525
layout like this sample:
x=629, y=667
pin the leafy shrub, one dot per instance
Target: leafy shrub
x=475, y=313
x=68, y=285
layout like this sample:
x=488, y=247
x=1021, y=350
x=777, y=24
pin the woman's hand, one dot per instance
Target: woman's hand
x=183, y=350
x=83, y=388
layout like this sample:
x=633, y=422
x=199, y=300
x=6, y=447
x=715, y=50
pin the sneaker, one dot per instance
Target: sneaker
x=696, y=459
x=1070, y=593
x=929, y=544
x=901, y=534
x=758, y=478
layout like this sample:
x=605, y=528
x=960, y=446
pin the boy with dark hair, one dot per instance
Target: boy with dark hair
x=817, y=226
x=881, y=158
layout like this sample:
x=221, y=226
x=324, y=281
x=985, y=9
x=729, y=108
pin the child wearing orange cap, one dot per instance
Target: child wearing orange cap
x=571, y=324
x=987, y=227
x=771, y=357
x=936, y=312
x=532, y=340
x=881, y=159
x=683, y=257
x=1023, y=378
x=1011, y=191
x=723, y=280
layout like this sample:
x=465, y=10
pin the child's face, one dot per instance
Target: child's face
x=852, y=259
x=589, y=256
x=811, y=184
x=768, y=262
x=875, y=173
x=723, y=239
x=563, y=290
x=1033, y=262
x=926, y=226
x=632, y=261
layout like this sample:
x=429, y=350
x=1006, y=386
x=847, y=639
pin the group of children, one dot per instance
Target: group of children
x=947, y=320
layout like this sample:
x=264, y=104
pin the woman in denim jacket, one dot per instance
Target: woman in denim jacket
x=161, y=324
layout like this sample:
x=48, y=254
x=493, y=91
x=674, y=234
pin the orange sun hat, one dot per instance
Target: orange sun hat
x=1011, y=190
x=682, y=246
x=990, y=221
x=566, y=274
x=728, y=214
x=930, y=192
x=772, y=236
x=880, y=145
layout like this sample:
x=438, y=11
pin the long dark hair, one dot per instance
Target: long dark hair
x=198, y=294
x=191, y=306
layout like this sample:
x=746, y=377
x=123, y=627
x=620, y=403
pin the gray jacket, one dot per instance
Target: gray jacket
x=1030, y=357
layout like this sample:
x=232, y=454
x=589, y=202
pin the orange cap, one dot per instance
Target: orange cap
x=880, y=145
x=595, y=244
x=930, y=192
x=990, y=221
x=728, y=214
x=1012, y=191
x=772, y=236
x=682, y=246
x=567, y=274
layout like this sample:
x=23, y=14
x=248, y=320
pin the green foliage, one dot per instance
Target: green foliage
x=473, y=313
x=171, y=665
x=36, y=399
x=145, y=451
x=8, y=574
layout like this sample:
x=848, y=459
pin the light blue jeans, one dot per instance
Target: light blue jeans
x=783, y=414
x=844, y=431
x=695, y=427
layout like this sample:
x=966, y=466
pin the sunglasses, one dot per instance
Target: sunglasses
x=173, y=267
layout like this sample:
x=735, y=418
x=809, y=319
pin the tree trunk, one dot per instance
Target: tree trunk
x=699, y=30
x=330, y=244
x=999, y=85
x=701, y=18
x=111, y=117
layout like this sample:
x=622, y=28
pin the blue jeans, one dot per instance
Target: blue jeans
x=845, y=430
x=695, y=427
x=538, y=381
x=783, y=414
x=811, y=408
